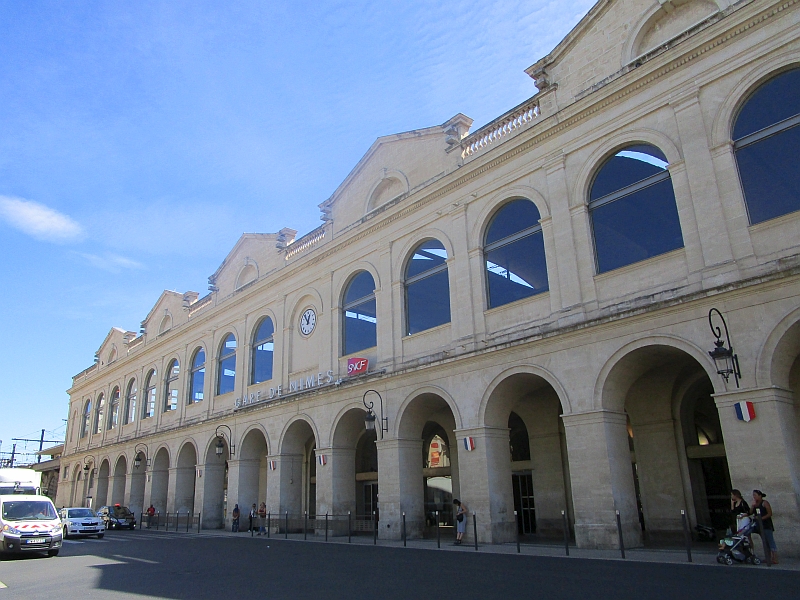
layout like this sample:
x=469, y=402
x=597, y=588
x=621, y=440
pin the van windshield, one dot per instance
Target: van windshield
x=28, y=510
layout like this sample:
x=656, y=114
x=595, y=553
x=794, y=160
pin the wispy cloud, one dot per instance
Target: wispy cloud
x=113, y=263
x=39, y=221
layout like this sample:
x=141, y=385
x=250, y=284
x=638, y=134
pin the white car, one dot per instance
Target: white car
x=81, y=521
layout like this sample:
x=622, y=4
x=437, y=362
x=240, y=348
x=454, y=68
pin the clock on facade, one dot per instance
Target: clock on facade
x=308, y=320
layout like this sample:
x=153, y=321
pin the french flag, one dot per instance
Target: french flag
x=272, y=465
x=322, y=459
x=469, y=444
x=745, y=411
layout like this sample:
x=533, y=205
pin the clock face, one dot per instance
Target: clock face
x=308, y=320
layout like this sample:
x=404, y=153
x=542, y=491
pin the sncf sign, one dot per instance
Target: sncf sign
x=357, y=365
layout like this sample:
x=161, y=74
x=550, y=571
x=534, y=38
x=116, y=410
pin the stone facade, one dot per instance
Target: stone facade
x=607, y=374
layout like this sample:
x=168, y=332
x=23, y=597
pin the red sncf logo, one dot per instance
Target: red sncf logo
x=357, y=365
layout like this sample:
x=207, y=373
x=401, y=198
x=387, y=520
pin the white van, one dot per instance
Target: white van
x=28, y=522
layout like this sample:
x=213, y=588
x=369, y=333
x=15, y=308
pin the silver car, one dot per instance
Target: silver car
x=81, y=521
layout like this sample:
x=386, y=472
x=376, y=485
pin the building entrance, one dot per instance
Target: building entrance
x=523, y=502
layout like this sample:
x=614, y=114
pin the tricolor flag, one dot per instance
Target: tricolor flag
x=469, y=444
x=272, y=465
x=745, y=411
x=321, y=459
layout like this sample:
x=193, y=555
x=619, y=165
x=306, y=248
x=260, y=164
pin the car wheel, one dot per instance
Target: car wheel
x=66, y=532
x=52, y=553
x=100, y=536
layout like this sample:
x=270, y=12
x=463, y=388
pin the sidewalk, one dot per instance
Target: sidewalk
x=702, y=555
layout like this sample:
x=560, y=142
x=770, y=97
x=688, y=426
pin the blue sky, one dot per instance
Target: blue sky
x=138, y=141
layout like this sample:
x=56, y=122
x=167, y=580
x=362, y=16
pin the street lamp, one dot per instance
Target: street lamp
x=370, y=417
x=221, y=439
x=86, y=463
x=138, y=461
x=726, y=361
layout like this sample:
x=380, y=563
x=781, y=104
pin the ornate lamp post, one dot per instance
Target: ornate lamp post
x=221, y=439
x=86, y=463
x=370, y=417
x=725, y=359
x=138, y=461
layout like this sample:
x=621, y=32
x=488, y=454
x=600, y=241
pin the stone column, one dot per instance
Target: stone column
x=400, y=488
x=462, y=310
x=243, y=484
x=764, y=454
x=485, y=481
x=212, y=507
x=110, y=499
x=184, y=489
x=324, y=488
x=342, y=463
x=172, y=482
x=273, y=485
x=602, y=479
x=288, y=491
x=549, y=491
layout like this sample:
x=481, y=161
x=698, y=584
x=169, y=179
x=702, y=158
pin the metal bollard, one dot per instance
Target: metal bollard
x=269, y=524
x=687, y=536
x=286, y=528
x=198, y=521
x=305, y=525
x=326, y=527
x=404, y=530
x=566, y=531
x=374, y=528
x=475, y=529
x=187, y=521
x=516, y=524
x=349, y=527
x=767, y=551
x=619, y=532
x=438, y=532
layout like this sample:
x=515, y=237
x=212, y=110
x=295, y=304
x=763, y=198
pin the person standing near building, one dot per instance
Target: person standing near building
x=262, y=517
x=739, y=510
x=762, y=508
x=461, y=520
x=150, y=514
x=253, y=517
x=235, y=522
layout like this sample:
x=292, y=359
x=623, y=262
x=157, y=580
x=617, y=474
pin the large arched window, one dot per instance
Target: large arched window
x=514, y=252
x=198, y=379
x=98, y=417
x=149, y=395
x=632, y=208
x=360, y=317
x=86, y=424
x=227, y=365
x=766, y=140
x=263, y=351
x=130, y=403
x=113, y=409
x=427, y=288
x=171, y=387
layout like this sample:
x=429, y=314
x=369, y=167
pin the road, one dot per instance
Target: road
x=161, y=565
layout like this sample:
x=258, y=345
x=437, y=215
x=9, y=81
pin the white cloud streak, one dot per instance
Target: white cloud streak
x=113, y=263
x=39, y=221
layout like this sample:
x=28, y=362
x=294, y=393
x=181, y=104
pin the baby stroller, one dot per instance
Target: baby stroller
x=738, y=548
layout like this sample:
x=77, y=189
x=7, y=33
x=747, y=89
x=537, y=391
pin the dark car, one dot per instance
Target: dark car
x=117, y=517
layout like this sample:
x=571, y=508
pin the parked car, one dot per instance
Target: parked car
x=81, y=521
x=117, y=517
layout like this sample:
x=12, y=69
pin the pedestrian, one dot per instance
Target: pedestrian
x=262, y=519
x=740, y=511
x=461, y=520
x=150, y=514
x=253, y=517
x=235, y=515
x=762, y=508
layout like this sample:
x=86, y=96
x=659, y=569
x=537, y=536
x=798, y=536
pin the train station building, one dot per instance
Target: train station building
x=524, y=306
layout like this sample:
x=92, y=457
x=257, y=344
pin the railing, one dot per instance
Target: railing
x=505, y=125
x=202, y=303
x=176, y=521
x=307, y=241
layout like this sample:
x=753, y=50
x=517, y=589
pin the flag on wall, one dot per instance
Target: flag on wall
x=272, y=465
x=322, y=459
x=469, y=444
x=745, y=411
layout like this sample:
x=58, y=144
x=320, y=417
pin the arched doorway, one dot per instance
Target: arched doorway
x=215, y=484
x=101, y=497
x=118, y=486
x=138, y=481
x=298, y=485
x=429, y=464
x=252, y=466
x=533, y=479
x=185, y=475
x=160, y=481
x=355, y=470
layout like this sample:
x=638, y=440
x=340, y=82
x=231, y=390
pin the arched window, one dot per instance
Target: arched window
x=87, y=419
x=263, y=350
x=198, y=376
x=227, y=365
x=113, y=409
x=130, y=403
x=171, y=388
x=98, y=417
x=632, y=208
x=514, y=253
x=427, y=288
x=360, y=320
x=766, y=140
x=149, y=395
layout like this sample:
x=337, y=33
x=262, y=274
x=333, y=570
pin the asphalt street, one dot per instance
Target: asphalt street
x=161, y=565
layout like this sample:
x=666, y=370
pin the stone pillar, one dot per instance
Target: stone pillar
x=243, y=484
x=342, y=463
x=485, y=481
x=172, y=482
x=461, y=309
x=602, y=479
x=324, y=487
x=213, y=499
x=110, y=499
x=548, y=478
x=184, y=489
x=273, y=484
x=289, y=478
x=764, y=454
x=400, y=488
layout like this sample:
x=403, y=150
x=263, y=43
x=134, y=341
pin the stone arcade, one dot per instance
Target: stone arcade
x=540, y=287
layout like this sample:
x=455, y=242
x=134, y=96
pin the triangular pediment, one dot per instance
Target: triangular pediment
x=113, y=346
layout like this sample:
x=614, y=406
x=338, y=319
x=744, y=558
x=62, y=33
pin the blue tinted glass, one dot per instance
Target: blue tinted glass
x=262, y=361
x=361, y=285
x=265, y=330
x=636, y=227
x=174, y=369
x=512, y=218
x=628, y=166
x=773, y=102
x=198, y=381
x=770, y=176
x=428, y=302
x=360, y=327
x=227, y=375
x=517, y=270
x=199, y=358
x=229, y=346
x=427, y=256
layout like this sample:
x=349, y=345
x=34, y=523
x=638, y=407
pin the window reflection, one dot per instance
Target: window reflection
x=360, y=325
x=171, y=391
x=130, y=403
x=113, y=409
x=98, y=419
x=263, y=352
x=198, y=376
x=227, y=365
x=149, y=395
x=427, y=288
x=87, y=419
